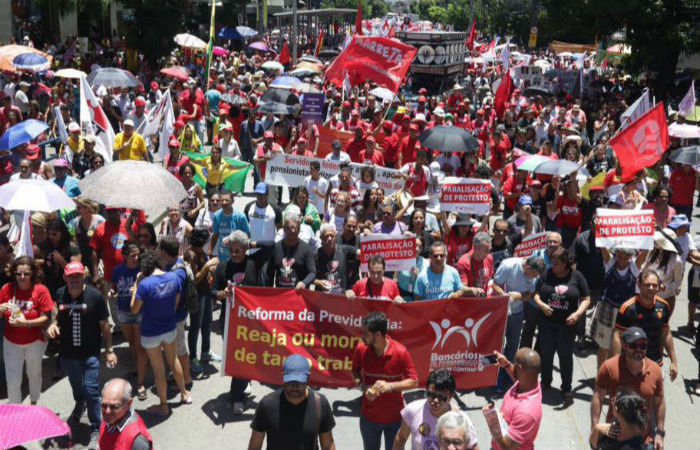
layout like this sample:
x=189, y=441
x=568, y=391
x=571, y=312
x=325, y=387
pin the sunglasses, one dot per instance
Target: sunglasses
x=23, y=274
x=112, y=407
x=435, y=395
x=638, y=346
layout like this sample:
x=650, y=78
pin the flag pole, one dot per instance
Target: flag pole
x=210, y=46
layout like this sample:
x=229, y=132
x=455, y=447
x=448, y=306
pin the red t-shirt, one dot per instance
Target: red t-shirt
x=260, y=152
x=389, y=290
x=475, y=273
x=377, y=158
x=683, y=185
x=391, y=148
x=32, y=303
x=457, y=246
x=417, y=181
x=569, y=213
x=408, y=148
x=498, y=153
x=511, y=186
x=394, y=365
x=108, y=241
x=188, y=101
x=354, y=148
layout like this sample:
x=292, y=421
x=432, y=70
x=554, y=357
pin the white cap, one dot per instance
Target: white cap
x=73, y=127
x=128, y=123
x=439, y=112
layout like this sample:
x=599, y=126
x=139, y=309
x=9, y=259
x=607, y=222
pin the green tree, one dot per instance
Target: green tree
x=154, y=25
x=370, y=8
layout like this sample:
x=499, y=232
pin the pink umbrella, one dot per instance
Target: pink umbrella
x=259, y=45
x=20, y=424
x=219, y=51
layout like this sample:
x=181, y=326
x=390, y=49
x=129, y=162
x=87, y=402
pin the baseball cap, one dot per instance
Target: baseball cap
x=261, y=188
x=346, y=104
x=679, y=220
x=154, y=85
x=73, y=268
x=337, y=144
x=268, y=134
x=296, y=368
x=90, y=138
x=128, y=123
x=140, y=101
x=73, y=127
x=525, y=200
x=633, y=334
x=420, y=118
x=535, y=183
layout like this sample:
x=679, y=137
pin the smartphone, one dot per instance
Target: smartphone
x=488, y=360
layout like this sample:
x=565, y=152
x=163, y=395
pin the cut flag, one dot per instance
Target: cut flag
x=234, y=175
x=472, y=36
x=358, y=19
x=635, y=110
x=641, y=144
x=502, y=94
x=161, y=114
x=319, y=44
x=94, y=121
x=687, y=106
x=284, y=58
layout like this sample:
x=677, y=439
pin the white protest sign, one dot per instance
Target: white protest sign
x=625, y=228
x=466, y=195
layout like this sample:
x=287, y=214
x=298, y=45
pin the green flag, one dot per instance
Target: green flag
x=234, y=175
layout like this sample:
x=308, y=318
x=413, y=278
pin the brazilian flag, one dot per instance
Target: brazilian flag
x=234, y=174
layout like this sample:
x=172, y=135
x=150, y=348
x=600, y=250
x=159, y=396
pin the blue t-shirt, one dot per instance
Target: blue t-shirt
x=69, y=185
x=213, y=96
x=511, y=277
x=223, y=225
x=181, y=313
x=123, y=279
x=158, y=294
x=433, y=286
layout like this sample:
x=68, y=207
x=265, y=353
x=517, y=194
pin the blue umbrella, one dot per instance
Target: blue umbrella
x=30, y=61
x=229, y=33
x=285, y=82
x=22, y=133
x=246, y=32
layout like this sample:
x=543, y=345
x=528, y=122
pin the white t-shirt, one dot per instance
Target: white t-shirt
x=687, y=245
x=322, y=186
x=418, y=417
x=262, y=222
x=21, y=101
x=452, y=160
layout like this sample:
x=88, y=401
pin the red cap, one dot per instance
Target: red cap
x=535, y=183
x=596, y=188
x=268, y=135
x=154, y=85
x=179, y=125
x=480, y=111
x=223, y=107
x=346, y=104
x=388, y=125
x=33, y=151
x=73, y=268
x=139, y=101
x=421, y=99
x=422, y=91
x=354, y=112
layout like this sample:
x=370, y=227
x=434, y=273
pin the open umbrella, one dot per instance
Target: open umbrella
x=687, y=155
x=246, y=32
x=536, y=90
x=179, y=72
x=219, y=51
x=306, y=88
x=31, y=61
x=530, y=162
x=112, y=77
x=259, y=45
x=448, y=139
x=22, y=133
x=20, y=424
x=311, y=59
x=557, y=167
x=285, y=82
x=274, y=108
x=9, y=52
x=313, y=67
x=33, y=195
x=277, y=95
x=385, y=94
x=189, y=41
x=69, y=73
x=133, y=184
x=301, y=73
x=233, y=99
x=229, y=33
x=684, y=130
x=272, y=65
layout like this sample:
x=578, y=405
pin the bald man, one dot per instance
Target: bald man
x=121, y=428
x=522, y=405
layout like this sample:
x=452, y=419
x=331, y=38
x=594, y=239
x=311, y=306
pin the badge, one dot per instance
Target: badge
x=424, y=429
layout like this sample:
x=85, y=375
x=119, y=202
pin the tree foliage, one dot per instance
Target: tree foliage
x=370, y=8
x=154, y=25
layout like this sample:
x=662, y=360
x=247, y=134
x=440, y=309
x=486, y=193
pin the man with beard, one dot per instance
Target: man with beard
x=294, y=414
x=242, y=269
x=332, y=275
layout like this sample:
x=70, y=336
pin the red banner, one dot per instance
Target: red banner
x=642, y=143
x=265, y=325
x=530, y=245
x=327, y=135
x=399, y=253
x=382, y=60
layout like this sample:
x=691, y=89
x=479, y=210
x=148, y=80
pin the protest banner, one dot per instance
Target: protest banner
x=626, y=228
x=265, y=325
x=399, y=253
x=312, y=108
x=290, y=170
x=530, y=245
x=466, y=195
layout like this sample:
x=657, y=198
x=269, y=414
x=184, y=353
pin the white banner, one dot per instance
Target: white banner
x=290, y=170
x=625, y=228
x=399, y=253
x=466, y=195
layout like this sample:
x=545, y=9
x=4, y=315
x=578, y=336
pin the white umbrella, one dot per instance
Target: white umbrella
x=306, y=88
x=684, y=130
x=69, y=73
x=188, y=41
x=33, y=195
x=383, y=93
x=565, y=55
x=133, y=184
x=272, y=65
x=557, y=167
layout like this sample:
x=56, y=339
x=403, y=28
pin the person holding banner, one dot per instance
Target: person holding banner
x=292, y=263
x=382, y=368
x=439, y=280
x=376, y=285
x=331, y=263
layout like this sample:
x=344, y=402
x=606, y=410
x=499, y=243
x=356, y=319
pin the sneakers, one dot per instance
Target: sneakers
x=78, y=412
x=211, y=357
x=94, y=440
x=238, y=408
x=195, y=367
x=248, y=389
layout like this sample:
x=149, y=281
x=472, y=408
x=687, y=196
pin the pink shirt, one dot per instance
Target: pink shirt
x=661, y=218
x=523, y=413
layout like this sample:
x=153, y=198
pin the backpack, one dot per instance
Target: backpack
x=189, y=291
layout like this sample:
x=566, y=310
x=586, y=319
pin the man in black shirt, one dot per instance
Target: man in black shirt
x=348, y=237
x=331, y=263
x=81, y=321
x=293, y=416
x=292, y=263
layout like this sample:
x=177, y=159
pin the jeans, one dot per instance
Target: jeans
x=15, y=356
x=372, y=434
x=201, y=320
x=84, y=378
x=514, y=326
x=238, y=385
x=532, y=318
x=557, y=338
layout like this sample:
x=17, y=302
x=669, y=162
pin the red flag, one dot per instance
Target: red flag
x=604, y=65
x=382, y=60
x=358, y=19
x=472, y=36
x=284, y=57
x=391, y=33
x=502, y=94
x=642, y=143
x=319, y=44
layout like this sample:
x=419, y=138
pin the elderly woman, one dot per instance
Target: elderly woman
x=25, y=305
x=454, y=431
x=562, y=295
x=420, y=417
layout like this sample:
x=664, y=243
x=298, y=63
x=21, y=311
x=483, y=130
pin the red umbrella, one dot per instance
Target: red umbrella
x=20, y=424
x=179, y=72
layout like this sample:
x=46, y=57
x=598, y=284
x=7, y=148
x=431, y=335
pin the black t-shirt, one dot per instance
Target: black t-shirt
x=504, y=250
x=289, y=426
x=333, y=268
x=589, y=260
x=652, y=320
x=246, y=273
x=562, y=294
x=290, y=265
x=353, y=266
x=608, y=443
x=79, y=323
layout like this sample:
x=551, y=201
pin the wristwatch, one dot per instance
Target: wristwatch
x=661, y=433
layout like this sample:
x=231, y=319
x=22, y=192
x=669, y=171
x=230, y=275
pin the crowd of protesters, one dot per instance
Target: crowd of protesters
x=101, y=271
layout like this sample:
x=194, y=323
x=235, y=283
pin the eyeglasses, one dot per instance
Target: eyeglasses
x=642, y=346
x=435, y=395
x=112, y=407
x=454, y=442
x=23, y=274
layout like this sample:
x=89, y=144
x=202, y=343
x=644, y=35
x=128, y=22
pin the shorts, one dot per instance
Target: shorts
x=158, y=340
x=603, y=324
x=128, y=318
x=181, y=339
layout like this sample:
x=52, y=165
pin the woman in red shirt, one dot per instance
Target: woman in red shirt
x=25, y=305
x=682, y=182
x=570, y=205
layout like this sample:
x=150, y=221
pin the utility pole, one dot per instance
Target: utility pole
x=294, y=32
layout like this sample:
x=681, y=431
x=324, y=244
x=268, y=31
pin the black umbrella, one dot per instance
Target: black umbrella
x=284, y=96
x=687, y=155
x=536, y=90
x=233, y=99
x=449, y=139
x=275, y=108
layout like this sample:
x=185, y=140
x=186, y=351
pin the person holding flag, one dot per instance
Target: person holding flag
x=130, y=145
